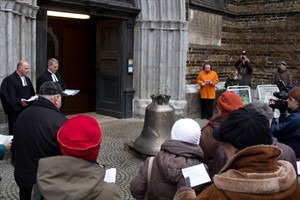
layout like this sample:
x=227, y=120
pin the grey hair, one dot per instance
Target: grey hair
x=261, y=107
x=52, y=60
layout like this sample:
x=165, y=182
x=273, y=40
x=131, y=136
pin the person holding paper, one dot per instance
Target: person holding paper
x=76, y=173
x=15, y=89
x=4, y=148
x=254, y=169
x=52, y=74
x=179, y=152
x=207, y=79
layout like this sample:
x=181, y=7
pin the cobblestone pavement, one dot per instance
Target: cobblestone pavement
x=112, y=154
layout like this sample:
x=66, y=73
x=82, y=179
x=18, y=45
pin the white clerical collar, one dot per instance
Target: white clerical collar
x=23, y=79
x=54, y=78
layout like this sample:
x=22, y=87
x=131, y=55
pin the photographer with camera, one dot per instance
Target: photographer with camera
x=287, y=128
x=244, y=68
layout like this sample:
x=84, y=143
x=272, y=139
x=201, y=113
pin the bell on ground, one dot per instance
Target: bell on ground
x=159, y=119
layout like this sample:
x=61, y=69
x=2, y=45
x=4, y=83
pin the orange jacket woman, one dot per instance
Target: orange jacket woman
x=207, y=79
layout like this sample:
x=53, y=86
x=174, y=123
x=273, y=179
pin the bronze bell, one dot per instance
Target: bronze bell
x=159, y=119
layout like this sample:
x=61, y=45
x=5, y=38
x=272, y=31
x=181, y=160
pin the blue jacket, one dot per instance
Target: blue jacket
x=288, y=130
x=2, y=151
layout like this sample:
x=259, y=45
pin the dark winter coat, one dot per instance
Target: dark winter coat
x=225, y=151
x=245, y=70
x=12, y=91
x=208, y=143
x=252, y=173
x=283, y=75
x=34, y=138
x=287, y=130
x=166, y=170
x=46, y=76
x=233, y=81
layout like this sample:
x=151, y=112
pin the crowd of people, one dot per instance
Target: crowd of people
x=246, y=151
x=243, y=156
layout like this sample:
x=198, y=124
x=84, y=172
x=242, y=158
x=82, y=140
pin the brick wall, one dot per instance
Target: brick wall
x=269, y=32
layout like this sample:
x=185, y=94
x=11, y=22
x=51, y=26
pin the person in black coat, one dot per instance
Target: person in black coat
x=245, y=69
x=51, y=74
x=35, y=135
x=15, y=89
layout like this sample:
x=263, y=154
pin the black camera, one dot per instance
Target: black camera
x=282, y=95
x=243, y=55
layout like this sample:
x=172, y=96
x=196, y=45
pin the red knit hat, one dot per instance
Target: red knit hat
x=80, y=137
x=229, y=101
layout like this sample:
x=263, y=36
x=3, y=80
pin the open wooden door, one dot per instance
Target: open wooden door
x=68, y=40
x=109, y=63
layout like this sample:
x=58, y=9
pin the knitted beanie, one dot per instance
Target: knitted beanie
x=229, y=101
x=243, y=128
x=187, y=130
x=80, y=137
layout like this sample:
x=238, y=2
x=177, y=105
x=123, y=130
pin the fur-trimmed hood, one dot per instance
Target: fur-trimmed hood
x=271, y=175
x=252, y=173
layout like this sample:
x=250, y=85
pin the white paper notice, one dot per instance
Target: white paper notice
x=197, y=174
x=110, y=175
x=298, y=167
x=32, y=98
x=5, y=138
x=71, y=92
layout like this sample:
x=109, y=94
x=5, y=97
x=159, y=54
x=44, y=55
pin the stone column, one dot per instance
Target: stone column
x=17, y=37
x=160, y=53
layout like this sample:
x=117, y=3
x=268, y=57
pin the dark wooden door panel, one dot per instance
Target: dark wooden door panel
x=109, y=58
x=75, y=67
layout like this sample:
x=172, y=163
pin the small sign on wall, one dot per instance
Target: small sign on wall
x=130, y=66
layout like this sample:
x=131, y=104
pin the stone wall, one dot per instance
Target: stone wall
x=269, y=32
x=17, y=38
x=160, y=46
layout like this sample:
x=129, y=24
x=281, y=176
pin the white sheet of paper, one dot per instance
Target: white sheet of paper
x=5, y=138
x=110, y=175
x=298, y=167
x=197, y=173
x=32, y=98
x=71, y=92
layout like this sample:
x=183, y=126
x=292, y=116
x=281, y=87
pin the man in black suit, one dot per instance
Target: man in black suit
x=51, y=74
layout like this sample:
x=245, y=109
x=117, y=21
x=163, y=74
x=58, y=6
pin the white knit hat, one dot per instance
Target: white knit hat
x=187, y=130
